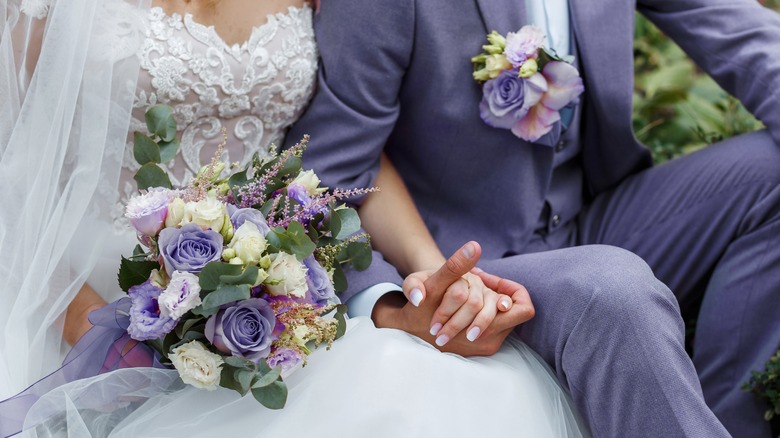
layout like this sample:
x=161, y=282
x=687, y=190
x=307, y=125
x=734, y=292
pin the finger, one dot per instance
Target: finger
x=501, y=285
x=456, y=296
x=464, y=316
x=459, y=264
x=522, y=310
x=504, y=302
x=414, y=289
x=484, y=318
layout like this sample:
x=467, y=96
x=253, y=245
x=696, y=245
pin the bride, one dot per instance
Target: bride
x=76, y=79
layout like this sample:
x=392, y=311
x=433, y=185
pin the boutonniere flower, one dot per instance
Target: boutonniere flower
x=525, y=85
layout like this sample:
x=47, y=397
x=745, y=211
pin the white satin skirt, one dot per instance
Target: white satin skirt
x=372, y=383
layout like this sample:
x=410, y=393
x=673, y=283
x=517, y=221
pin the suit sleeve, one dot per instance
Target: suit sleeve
x=364, y=49
x=736, y=41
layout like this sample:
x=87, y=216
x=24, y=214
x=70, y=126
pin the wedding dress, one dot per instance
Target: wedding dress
x=371, y=383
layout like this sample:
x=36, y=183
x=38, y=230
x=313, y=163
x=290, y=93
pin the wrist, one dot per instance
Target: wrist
x=387, y=310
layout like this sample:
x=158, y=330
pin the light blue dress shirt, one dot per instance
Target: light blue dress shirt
x=552, y=17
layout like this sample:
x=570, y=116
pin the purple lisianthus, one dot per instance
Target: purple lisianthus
x=146, y=322
x=299, y=193
x=147, y=212
x=320, y=287
x=288, y=358
x=189, y=248
x=244, y=329
x=240, y=215
x=523, y=45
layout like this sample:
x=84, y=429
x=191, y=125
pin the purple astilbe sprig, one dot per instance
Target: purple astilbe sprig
x=253, y=193
x=303, y=214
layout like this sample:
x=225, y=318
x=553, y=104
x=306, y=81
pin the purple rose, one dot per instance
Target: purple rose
x=145, y=319
x=240, y=215
x=507, y=98
x=189, y=248
x=147, y=212
x=244, y=329
x=288, y=358
x=320, y=287
x=299, y=193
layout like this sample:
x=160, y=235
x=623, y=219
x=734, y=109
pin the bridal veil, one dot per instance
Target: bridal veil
x=67, y=75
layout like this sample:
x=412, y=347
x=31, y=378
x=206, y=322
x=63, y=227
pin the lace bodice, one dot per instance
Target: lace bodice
x=255, y=90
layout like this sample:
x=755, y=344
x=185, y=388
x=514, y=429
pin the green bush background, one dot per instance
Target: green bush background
x=678, y=109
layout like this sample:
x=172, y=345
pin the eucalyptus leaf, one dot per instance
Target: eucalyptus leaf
x=168, y=150
x=145, y=150
x=227, y=378
x=226, y=294
x=344, y=223
x=151, y=175
x=341, y=329
x=248, y=277
x=273, y=396
x=268, y=378
x=339, y=279
x=209, y=277
x=239, y=362
x=183, y=327
x=160, y=121
x=359, y=255
x=133, y=273
x=244, y=378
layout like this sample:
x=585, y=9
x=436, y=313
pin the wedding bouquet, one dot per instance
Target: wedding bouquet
x=235, y=277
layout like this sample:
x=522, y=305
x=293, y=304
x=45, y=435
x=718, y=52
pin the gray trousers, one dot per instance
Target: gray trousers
x=608, y=289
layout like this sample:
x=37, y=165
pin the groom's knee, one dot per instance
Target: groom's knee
x=614, y=286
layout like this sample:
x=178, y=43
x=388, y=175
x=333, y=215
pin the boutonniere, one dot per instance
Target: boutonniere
x=525, y=85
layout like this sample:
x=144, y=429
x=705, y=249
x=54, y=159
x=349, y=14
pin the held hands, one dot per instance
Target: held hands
x=459, y=308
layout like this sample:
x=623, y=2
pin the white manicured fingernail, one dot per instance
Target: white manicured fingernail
x=505, y=303
x=435, y=329
x=441, y=340
x=472, y=334
x=416, y=297
x=468, y=251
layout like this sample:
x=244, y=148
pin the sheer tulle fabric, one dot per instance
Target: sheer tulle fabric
x=379, y=383
x=62, y=132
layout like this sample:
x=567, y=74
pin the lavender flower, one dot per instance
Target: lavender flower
x=181, y=295
x=145, y=319
x=244, y=329
x=299, y=193
x=320, y=286
x=189, y=248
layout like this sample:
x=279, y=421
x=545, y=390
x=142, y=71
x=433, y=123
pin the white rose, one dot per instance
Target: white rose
x=175, y=213
x=196, y=365
x=248, y=243
x=310, y=181
x=208, y=213
x=287, y=276
x=181, y=295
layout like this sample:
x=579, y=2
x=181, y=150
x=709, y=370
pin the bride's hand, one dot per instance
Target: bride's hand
x=466, y=303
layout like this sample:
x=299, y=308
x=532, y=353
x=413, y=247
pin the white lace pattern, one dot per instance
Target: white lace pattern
x=254, y=90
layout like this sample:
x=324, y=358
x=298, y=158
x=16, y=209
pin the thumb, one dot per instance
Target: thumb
x=459, y=264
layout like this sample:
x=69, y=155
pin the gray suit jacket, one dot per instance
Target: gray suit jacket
x=396, y=75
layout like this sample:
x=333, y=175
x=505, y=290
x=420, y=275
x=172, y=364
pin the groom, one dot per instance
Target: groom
x=577, y=221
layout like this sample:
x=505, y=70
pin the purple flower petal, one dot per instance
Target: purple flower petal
x=564, y=84
x=537, y=123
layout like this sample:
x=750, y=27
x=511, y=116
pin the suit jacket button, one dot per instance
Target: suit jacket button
x=556, y=220
x=561, y=144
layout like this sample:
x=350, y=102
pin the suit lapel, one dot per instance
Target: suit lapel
x=503, y=16
x=606, y=52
